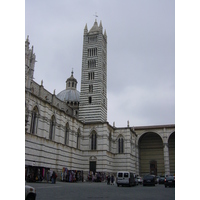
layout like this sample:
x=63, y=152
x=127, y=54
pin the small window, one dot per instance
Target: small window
x=90, y=99
x=90, y=88
x=120, y=175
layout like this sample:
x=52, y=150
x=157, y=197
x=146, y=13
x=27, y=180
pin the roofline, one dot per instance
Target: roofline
x=154, y=126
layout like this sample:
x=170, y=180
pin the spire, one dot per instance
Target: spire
x=100, y=26
x=32, y=49
x=86, y=29
x=27, y=43
x=95, y=27
x=105, y=35
x=27, y=39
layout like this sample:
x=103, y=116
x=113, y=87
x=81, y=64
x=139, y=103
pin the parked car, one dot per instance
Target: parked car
x=30, y=192
x=149, y=180
x=140, y=180
x=162, y=180
x=170, y=181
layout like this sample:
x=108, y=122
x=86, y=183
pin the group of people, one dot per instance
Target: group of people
x=51, y=177
x=110, y=179
x=96, y=177
x=71, y=176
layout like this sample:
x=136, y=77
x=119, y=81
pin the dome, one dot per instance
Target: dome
x=70, y=95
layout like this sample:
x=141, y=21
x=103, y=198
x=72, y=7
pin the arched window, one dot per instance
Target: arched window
x=78, y=139
x=93, y=141
x=34, y=120
x=110, y=138
x=52, y=127
x=66, y=133
x=120, y=145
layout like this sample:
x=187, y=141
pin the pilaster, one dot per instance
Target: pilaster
x=166, y=158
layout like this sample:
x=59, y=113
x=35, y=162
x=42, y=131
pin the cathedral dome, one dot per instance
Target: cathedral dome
x=70, y=94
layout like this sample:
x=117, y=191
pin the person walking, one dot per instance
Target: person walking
x=112, y=180
x=48, y=173
x=53, y=178
x=108, y=180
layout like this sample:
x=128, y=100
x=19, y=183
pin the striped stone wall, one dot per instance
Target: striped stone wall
x=93, y=103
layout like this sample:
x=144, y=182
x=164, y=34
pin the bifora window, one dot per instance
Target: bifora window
x=91, y=76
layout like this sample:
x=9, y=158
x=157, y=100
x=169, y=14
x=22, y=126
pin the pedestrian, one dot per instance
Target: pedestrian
x=53, y=178
x=48, y=173
x=108, y=180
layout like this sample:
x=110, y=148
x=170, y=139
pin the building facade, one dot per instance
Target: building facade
x=70, y=130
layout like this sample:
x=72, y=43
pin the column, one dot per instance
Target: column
x=137, y=159
x=166, y=158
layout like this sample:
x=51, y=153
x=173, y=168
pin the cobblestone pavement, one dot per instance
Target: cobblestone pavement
x=92, y=191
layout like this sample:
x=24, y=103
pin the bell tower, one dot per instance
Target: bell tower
x=93, y=96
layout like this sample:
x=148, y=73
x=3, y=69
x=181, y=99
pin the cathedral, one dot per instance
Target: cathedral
x=70, y=130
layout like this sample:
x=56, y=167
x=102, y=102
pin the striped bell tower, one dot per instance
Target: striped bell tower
x=93, y=96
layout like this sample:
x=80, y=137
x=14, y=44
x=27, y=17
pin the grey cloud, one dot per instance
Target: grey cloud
x=141, y=52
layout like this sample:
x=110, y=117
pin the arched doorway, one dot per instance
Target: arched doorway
x=151, y=156
x=92, y=164
x=171, y=146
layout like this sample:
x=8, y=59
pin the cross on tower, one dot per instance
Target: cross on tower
x=96, y=15
x=72, y=71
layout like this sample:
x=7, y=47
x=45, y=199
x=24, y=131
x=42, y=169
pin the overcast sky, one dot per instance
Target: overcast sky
x=140, y=53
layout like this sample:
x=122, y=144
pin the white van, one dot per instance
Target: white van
x=125, y=178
